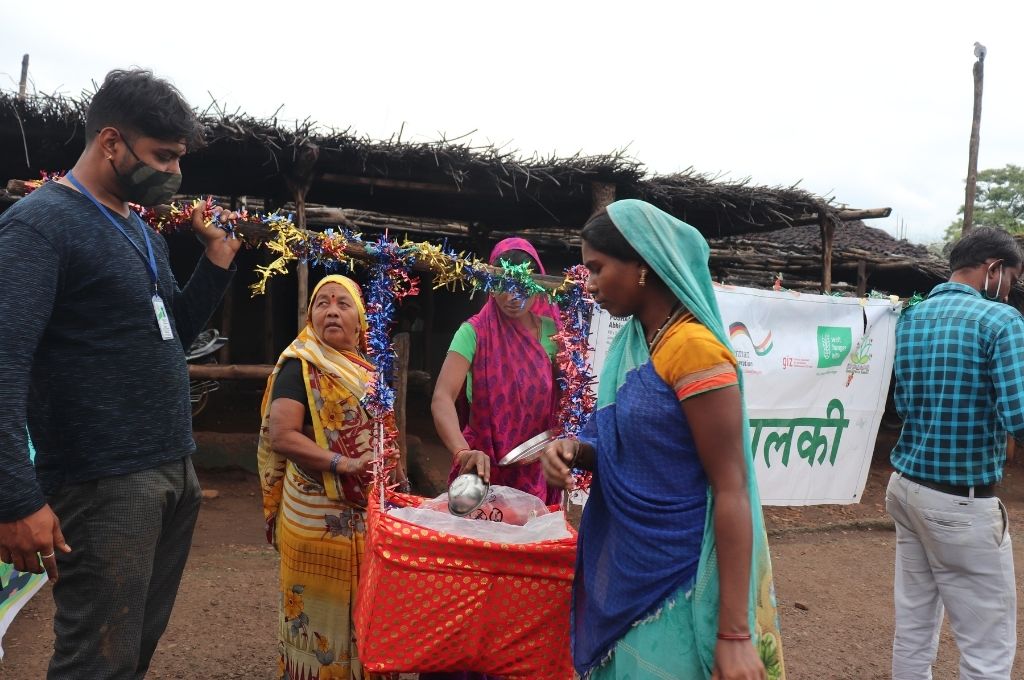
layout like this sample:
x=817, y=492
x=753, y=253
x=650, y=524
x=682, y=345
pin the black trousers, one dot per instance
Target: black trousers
x=130, y=537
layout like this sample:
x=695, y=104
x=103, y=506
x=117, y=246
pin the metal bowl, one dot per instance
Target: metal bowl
x=530, y=450
x=466, y=493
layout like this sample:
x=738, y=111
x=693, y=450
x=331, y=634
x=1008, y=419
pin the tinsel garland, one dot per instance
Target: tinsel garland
x=177, y=217
x=576, y=378
x=390, y=281
x=331, y=249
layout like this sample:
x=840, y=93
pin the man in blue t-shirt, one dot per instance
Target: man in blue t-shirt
x=93, y=348
x=960, y=390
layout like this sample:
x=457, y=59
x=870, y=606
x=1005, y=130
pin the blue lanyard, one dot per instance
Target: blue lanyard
x=147, y=257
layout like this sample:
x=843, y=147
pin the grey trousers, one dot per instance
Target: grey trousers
x=130, y=537
x=954, y=556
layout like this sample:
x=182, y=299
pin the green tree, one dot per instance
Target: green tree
x=999, y=202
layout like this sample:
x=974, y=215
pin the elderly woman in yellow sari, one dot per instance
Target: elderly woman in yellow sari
x=315, y=451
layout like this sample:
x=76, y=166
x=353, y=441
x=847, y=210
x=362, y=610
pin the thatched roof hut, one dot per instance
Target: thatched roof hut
x=489, y=187
x=863, y=259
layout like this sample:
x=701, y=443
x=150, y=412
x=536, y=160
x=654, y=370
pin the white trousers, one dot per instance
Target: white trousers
x=952, y=553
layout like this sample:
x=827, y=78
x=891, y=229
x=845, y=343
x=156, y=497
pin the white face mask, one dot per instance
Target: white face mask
x=999, y=286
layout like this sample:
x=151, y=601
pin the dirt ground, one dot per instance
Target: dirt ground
x=833, y=568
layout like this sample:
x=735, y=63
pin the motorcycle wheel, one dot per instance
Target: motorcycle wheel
x=200, y=403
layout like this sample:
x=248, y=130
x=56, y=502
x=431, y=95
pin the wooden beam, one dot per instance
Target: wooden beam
x=230, y=371
x=867, y=214
x=388, y=183
x=849, y=215
x=827, y=232
x=358, y=220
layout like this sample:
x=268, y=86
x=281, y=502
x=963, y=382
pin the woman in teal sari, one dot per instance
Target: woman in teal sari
x=673, y=578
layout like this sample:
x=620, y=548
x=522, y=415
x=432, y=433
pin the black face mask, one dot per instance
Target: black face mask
x=144, y=184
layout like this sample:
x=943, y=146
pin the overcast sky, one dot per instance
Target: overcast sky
x=869, y=102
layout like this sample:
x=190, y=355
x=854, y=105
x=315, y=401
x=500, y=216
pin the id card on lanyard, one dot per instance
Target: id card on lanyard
x=163, y=322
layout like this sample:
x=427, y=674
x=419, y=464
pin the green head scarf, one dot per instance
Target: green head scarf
x=678, y=254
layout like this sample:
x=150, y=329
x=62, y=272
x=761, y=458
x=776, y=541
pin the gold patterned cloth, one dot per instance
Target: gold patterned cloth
x=317, y=520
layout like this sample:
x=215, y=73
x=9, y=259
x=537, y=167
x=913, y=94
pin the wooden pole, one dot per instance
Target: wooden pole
x=298, y=180
x=401, y=344
x=426, y=302
x=601, y=194
x=862, y=278
x=827, y=232
x=302, y=270
x=227, y=307
x=269, y=353
x=972, y=154
x=23, y=83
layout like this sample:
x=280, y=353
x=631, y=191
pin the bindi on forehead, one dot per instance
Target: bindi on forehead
x=332, y=296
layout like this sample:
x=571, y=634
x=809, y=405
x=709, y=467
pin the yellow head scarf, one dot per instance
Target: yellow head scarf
x=357, y=297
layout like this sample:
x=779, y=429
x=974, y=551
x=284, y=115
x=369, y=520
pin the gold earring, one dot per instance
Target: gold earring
x=643, y=278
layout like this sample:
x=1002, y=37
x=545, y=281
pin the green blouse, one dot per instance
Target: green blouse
x=464, y=344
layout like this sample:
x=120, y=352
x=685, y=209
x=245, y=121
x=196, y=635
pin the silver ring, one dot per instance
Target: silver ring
x=46, y=557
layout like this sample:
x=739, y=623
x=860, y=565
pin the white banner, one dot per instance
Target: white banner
x=817, y=371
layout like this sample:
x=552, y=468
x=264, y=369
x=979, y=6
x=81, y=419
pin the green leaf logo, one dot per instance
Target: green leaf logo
x=834, y=345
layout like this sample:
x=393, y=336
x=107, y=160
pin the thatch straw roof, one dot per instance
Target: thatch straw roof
x=492, y=188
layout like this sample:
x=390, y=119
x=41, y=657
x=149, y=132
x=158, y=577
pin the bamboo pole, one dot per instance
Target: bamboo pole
x=972, y=153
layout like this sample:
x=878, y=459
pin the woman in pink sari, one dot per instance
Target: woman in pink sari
x=502, y=364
